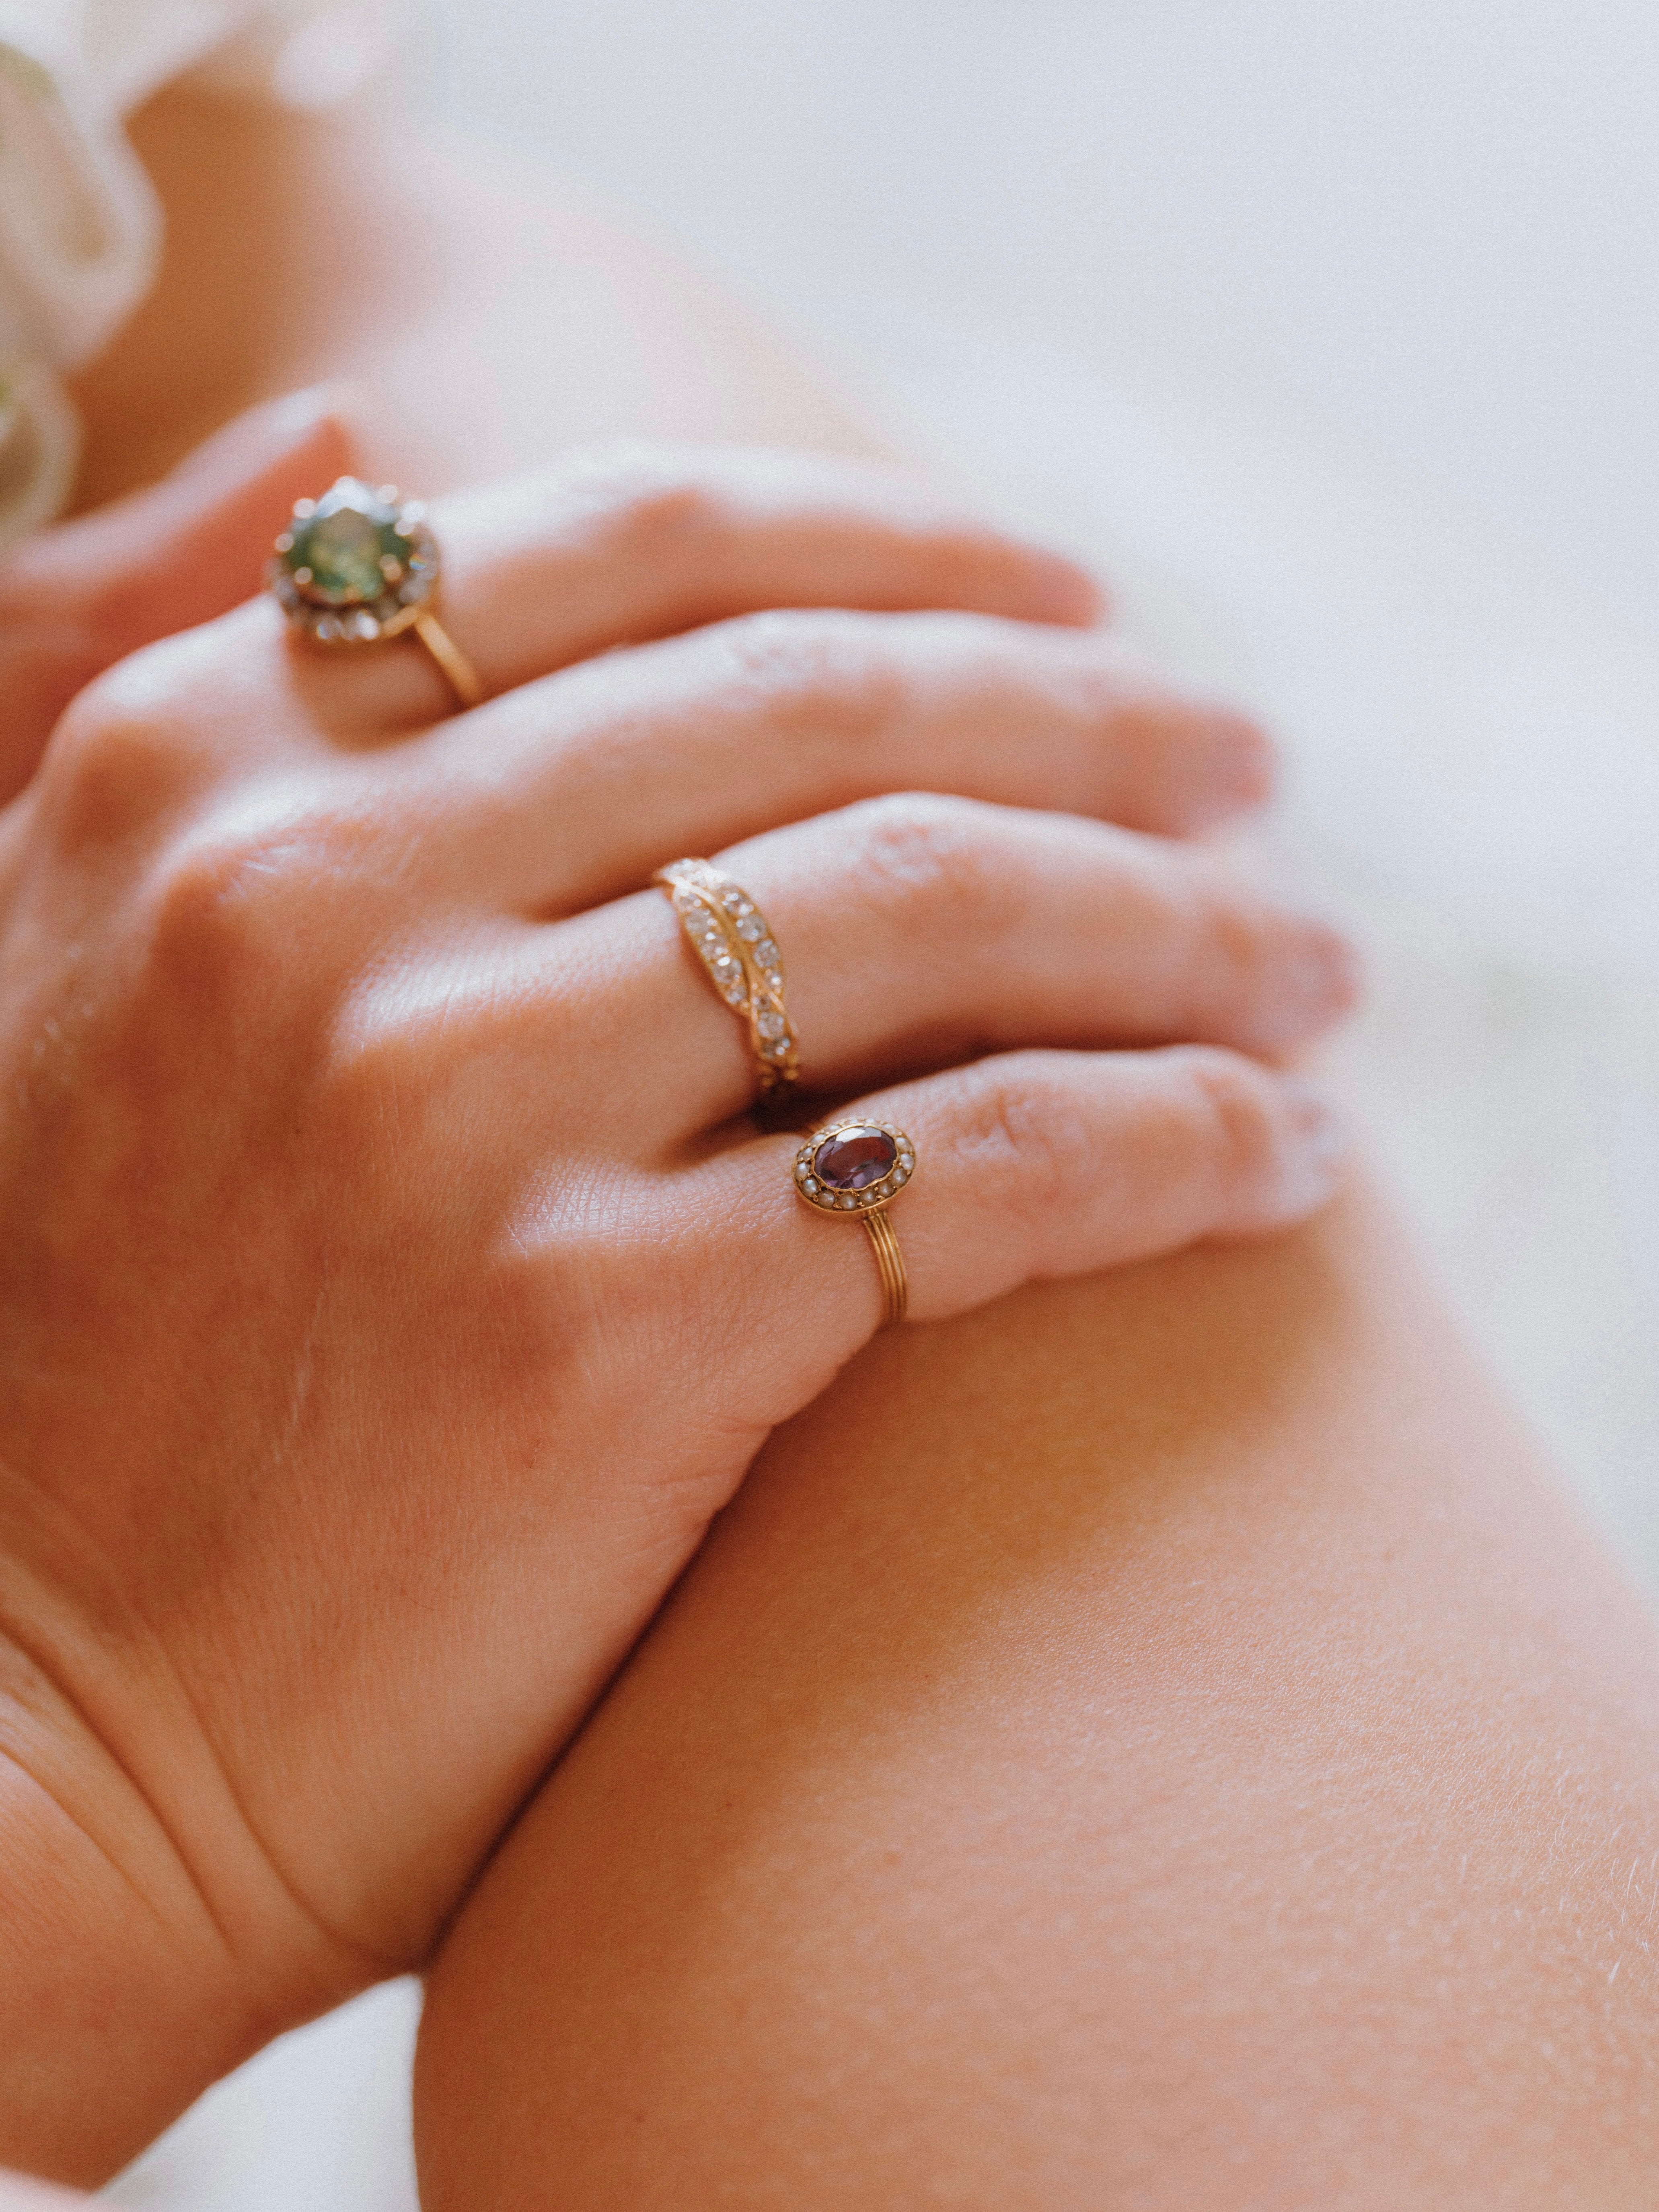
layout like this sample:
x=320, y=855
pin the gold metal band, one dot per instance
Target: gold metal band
x=734, y=941
x=463, y=677
x=895, y=1288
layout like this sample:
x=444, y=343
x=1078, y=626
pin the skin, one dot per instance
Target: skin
x=1075, y=1515
x=1159, y=1741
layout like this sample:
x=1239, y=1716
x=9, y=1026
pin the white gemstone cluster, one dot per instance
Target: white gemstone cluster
x=734, y=941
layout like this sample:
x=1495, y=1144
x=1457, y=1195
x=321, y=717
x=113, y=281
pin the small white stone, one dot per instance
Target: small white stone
x=772, y=1025
x=328, y=630
x=767, y=954
x=808, y=1186
x=365, y=626
x=849, y=1201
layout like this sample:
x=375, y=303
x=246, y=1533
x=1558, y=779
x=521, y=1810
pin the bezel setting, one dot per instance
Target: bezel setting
x=852, y=1205
x=350, y=615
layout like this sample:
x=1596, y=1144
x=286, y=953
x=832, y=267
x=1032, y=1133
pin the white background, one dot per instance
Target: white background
x=1432, y=221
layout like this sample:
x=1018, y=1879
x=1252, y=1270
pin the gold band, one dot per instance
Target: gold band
x=895, y=1289
x=860, y=1167
x=734, y=941
x=464, y=678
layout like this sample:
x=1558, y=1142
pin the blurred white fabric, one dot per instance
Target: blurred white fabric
x=1330, y=332
x=79, y=224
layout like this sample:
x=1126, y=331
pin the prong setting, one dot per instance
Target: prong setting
x=356, y=566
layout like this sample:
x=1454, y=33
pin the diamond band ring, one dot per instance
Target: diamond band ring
x=357, y=566
x=860, y=1167
x=732, y=939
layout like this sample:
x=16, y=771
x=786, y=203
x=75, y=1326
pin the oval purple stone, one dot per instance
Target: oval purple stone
x=855, y=1158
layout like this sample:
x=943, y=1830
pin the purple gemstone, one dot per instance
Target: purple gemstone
x=855, y=1158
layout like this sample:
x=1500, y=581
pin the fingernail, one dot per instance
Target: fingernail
x=1064, y=593
x=1338, y=972
x=1320, y=1142
x=1244, y=765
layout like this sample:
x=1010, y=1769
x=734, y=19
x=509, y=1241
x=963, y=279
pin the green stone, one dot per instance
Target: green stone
x=352, y=546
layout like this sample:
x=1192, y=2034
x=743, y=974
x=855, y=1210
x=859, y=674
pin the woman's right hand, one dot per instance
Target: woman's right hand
x=392, y=1288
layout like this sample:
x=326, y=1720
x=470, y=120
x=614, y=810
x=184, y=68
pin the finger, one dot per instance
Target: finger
x=1033, y=1166
x=540, y=573
x=921, y=930
x=79, y=597
x=694, y=743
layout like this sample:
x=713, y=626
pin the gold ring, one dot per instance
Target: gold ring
x=860, y=1167
x=357, y=567
x=733, y=939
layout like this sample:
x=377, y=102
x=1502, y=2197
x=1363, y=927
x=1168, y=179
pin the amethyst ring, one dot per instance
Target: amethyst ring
x=860, y=1167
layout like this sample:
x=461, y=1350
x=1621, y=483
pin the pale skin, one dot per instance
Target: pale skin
x=1155, y=1742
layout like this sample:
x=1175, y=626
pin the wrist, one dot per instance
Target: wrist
x=125, y=1989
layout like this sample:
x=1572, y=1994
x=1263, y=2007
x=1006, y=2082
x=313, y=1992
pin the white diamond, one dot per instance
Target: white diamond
x=779, y=1049
x=772, y=1025
x=751, y=929
x=329, y=629
x=774, y=980
x=734, y=902
x=767, y=954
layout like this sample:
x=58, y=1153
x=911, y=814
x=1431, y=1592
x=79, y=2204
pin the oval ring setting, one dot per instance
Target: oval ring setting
x=854, y=1167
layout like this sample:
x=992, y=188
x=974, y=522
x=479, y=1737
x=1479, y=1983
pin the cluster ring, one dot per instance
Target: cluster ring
x=859, y=1167
x=734, y=941
x=359, y=566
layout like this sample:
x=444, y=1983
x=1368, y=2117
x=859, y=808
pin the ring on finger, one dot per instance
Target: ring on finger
x=357, y=567
x=734, y=941
x=860, y=1167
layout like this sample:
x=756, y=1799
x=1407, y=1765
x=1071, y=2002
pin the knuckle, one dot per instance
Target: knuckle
x=808, y=674
x=1022, y=1131
x=228, y=907
x=923, y=852
x=650, y=502
x=1223, y=1117
x=116, y=764
x=1237, y=941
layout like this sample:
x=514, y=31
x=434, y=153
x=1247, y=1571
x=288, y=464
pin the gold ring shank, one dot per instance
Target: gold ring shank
x=894, y=1287
x=463, y=677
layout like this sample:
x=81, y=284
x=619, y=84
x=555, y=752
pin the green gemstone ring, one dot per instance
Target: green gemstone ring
x=357, y=566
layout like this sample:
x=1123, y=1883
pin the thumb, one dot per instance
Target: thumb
x=77, y=597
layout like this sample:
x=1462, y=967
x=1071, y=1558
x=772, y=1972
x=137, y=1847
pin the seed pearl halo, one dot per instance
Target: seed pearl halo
x=820, y=1187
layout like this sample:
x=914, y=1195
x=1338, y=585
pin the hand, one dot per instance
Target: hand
x=390, y=1287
